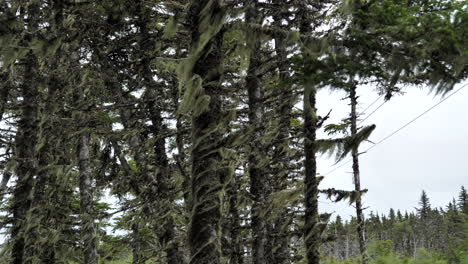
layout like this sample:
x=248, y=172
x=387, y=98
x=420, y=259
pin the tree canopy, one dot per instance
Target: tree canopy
x=189, y=127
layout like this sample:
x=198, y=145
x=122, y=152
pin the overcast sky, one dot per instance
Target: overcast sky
x=429, y=154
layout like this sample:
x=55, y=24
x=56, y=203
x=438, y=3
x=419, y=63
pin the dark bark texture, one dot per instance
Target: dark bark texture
x=360, y=228
x=258, y=177
x=282, y=156
x=26, y=141
x=88, y=227
x=312, y=229
x=207, y=171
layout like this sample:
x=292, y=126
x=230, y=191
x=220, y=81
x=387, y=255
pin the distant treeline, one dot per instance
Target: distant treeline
x=439, y=230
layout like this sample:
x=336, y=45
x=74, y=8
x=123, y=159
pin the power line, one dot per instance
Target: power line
x=367, y=108
x=402, y=127
x=416, y=118
x=375, y=110
x=337, y=167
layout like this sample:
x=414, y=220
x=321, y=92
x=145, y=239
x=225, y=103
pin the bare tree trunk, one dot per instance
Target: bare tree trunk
x=357, y=180
x=88, y=227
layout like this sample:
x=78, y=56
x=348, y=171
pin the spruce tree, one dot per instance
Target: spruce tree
x=463, y=201
x=424, y=206
x=257, y=174
x=186, y=114
x=26, y=139
x=356, y=176
x=202, y=74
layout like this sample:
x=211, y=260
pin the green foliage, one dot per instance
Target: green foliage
x=424, y=257
x=118, y=261
x=295, y=122
x=333, y=129
x=381, y=248
x=134, y=166
x=381, y=252
x=341, y=147
x=74, y=68
x=212, y=19
x=114, y=249
x=107, y=117
x=338, y=195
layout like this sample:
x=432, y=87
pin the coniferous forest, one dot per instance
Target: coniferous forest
x=187, y=131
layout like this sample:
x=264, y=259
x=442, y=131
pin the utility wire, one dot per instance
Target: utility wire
x=337, y=167
x=373, y=103
x=369, y=115
x=402, y=127
x=416, y=118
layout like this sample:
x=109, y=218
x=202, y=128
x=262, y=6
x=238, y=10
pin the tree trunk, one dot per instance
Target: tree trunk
x=281, y=156
x=164, y=195
x=180, y=158
x=4, y=92
x=258, y=178
x=88, y=227
x=43, y=212
x=167, y=235
x=4, y=183
x=26, y=141
x=357, y=180
x=312, y=228
x=236, y=250
x=207, y=172
x=312, y=234
x=136, y=244
x=37, y=213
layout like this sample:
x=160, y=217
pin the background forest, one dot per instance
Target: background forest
x=186, y=131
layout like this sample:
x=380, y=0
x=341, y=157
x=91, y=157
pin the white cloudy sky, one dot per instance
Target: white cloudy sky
x=430, y=154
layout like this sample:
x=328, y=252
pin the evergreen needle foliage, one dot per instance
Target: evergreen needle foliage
x=185, y=131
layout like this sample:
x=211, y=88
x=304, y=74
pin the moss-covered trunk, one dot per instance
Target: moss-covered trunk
x=312, y=235
x=88, y=227
x=258, y=177
x=165, y=198
x=312, y=230
x=5, y=87
x=282, y=157
x=26, y=140
x=207, y=172
x=6, y=176
x=167, y=234
x=236, y=249
x=136, y=244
